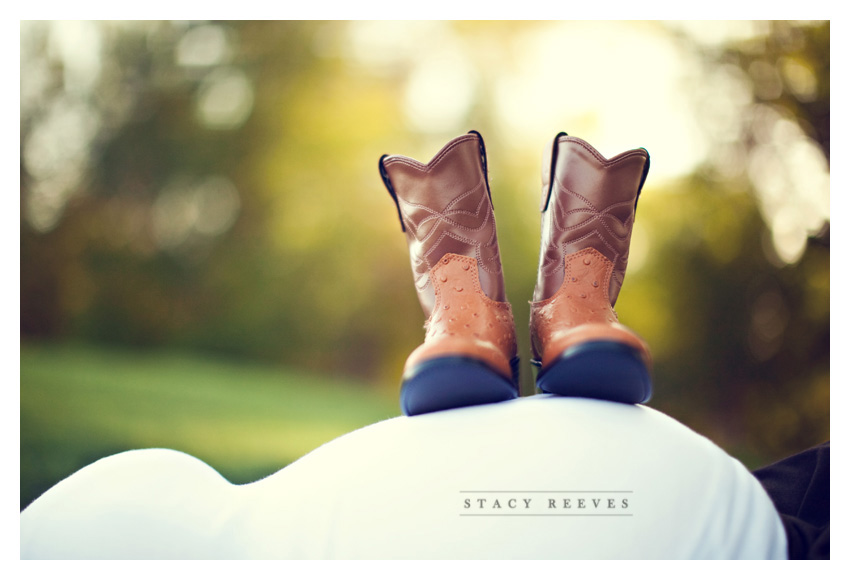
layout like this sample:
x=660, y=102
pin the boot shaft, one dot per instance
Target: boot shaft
x=587, y=201
x=445, y=208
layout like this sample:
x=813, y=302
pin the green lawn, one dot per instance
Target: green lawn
x=80, y=403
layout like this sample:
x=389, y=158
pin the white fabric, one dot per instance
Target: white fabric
x=411, y=487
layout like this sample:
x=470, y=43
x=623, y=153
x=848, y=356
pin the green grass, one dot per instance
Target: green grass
x=81, y=403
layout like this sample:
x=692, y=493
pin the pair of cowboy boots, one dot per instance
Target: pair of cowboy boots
x=469, y=356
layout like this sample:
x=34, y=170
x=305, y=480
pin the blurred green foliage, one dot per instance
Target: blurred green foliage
x=213, y=187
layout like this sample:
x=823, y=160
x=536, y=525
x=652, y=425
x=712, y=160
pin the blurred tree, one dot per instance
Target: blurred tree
x=764, y=109
x=749, y=246
x=205, y=207
x=741, y=347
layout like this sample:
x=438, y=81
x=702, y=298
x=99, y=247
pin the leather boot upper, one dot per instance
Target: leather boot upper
x=445, y=208
x=588, y=209
x=588, y=201
x=447, y=215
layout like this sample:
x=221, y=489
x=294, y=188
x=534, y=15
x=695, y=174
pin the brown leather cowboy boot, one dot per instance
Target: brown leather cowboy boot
x=588, y=208
x=469, y=353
